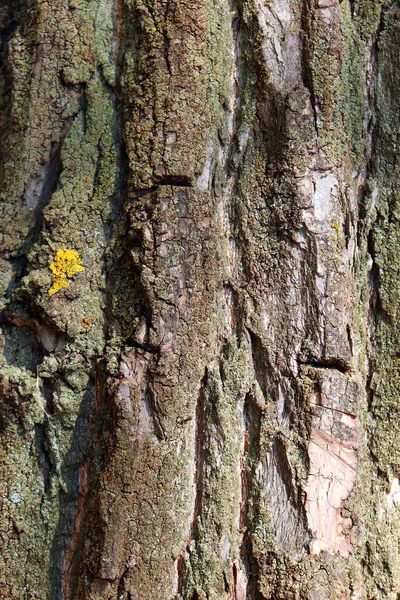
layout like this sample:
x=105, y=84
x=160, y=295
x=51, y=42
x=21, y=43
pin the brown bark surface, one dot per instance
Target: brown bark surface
x=209, y=409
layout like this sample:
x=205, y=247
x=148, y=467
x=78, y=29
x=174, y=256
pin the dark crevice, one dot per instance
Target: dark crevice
x=121, y=584
x=154, y=410
x=373, y=310
x=329, y=363
x=235, y=575
x=226, y=584
x=318, y=393
x=180, y=566
x=377, y=310
x=44, y=459
x=167, y=41
x=177, y=180
x=347, y=227
x=260, y=362
x=250, y=500
x=306, y=24
x=199, y=458
x=48, y=391
x=350, y=338
x=83, y=104
x=222, y=373
x=11, y=17
x=96, y=174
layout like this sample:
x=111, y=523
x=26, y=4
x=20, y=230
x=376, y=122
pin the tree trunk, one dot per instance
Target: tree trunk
x=205, y=405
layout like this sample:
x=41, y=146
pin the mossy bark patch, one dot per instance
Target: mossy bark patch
x=205, y=407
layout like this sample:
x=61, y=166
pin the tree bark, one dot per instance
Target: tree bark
x=209, y=410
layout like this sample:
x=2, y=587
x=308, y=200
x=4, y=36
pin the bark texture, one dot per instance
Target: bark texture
x=209, y=411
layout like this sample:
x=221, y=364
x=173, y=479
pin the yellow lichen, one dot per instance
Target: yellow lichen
x=335, y=225
x=66, y=264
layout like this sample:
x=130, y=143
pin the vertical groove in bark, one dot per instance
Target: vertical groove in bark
x=200, y=444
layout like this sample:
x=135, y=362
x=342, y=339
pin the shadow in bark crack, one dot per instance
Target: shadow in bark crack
x=252, y=415
x=74, y=478
x=199, y=458
x=40, y=190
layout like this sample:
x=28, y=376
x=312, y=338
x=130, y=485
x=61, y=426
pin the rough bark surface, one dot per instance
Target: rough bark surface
x=210, y=410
